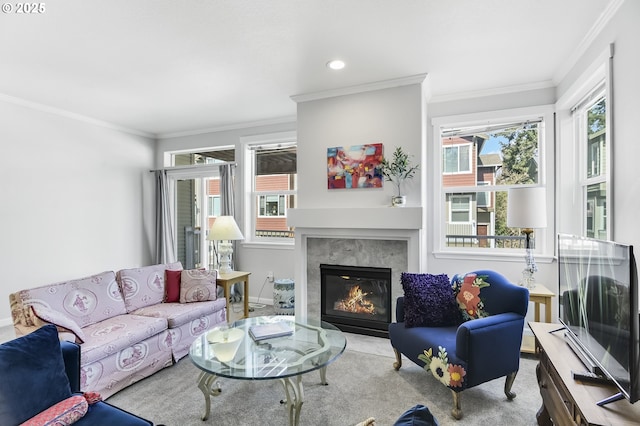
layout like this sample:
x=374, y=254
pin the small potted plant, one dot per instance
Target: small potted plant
x=397, y=171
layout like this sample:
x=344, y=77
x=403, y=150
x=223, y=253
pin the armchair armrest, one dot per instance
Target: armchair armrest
x=71, y=357
x=400, y=309
x=500, y=335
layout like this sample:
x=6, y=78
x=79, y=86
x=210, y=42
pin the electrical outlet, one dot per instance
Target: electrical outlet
x=270, y=276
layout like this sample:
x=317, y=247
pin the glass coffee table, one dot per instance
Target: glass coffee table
x=231, y=352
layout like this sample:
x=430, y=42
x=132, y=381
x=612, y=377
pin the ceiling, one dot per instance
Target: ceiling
x=165, y=67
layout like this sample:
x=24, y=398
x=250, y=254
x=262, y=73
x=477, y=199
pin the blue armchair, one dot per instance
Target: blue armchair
x=40, y=372
x=483, y=345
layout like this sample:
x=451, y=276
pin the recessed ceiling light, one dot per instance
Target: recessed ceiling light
x=336, y=64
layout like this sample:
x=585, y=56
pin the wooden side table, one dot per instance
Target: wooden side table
x=226, y=281
x=539, y=295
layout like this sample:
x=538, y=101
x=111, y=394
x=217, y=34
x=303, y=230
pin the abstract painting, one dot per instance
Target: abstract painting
x=356, y=166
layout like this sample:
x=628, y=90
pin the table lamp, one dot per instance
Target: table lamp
x=527, y=209
x=225, y=230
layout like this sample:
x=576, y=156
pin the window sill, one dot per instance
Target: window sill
x=494, y=256
x=268, y=245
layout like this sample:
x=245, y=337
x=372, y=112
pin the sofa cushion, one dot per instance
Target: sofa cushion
x=178, y=314
x=31, y=365
x=86, y=300
x=61, y=321
x=118, y=333
x=198, y=285
x=65, y=412
x=172, y=286
x=429, y=300
x=467, y=289
x=143, y=286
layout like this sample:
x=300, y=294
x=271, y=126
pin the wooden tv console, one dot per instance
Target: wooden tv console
x=566, y=401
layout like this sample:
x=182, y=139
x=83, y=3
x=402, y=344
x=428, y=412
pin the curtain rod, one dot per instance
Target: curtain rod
x=195, y=166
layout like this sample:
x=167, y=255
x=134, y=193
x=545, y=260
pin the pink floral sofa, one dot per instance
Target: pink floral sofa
x=129, y=324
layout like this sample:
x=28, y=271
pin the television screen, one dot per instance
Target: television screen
x=598, y=296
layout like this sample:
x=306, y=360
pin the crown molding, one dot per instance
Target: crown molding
x=367, y=87
x=612, y=8
x=72, y=115
x=227, y=127
x=491, y=92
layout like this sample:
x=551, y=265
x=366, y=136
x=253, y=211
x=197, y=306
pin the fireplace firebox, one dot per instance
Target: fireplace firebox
x=356, y=299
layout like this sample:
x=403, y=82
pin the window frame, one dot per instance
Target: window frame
x=468, y=210
x=250, y=201
x=585, y=182
x=572, y=211
x=470, y=162
x=544, y=237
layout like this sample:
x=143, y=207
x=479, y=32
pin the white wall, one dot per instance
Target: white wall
x=391, y=116
x=75, y=197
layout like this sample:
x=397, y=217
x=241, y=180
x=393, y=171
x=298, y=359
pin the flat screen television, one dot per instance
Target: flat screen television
x=598, y=299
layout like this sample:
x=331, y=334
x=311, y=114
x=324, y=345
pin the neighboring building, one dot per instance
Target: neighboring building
x=469, y=213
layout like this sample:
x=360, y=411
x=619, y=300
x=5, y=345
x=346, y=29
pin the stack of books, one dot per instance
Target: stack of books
x=270, y=330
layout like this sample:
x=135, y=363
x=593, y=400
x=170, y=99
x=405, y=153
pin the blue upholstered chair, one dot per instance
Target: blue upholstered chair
x=481, y=345
x=39, y=372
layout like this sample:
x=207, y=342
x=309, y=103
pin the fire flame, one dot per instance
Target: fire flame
x=356, y=302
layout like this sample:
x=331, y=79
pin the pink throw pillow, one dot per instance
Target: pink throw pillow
x=172, y=286
x=65, y=412
x=197, y=285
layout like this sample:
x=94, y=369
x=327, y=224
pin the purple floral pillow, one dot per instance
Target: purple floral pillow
x=429, y=301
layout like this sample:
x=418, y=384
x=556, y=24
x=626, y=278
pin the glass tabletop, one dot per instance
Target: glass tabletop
x=232, y=351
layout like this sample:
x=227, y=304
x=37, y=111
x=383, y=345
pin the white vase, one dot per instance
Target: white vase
x=398, y=200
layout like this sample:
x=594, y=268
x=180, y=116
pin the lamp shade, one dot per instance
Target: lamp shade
x=527, y=208
x=225, y=228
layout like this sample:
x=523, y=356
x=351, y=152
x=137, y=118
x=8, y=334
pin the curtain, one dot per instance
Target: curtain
x=165, y=244
x=227, y=208
x=227, y=203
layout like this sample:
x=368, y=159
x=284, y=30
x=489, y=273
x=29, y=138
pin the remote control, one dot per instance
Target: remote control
x=587, y=376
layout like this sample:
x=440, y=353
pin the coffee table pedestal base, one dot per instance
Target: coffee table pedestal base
x=293, y=390
x=210, y=387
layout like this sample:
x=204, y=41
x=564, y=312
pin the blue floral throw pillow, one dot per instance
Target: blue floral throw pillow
x=429, y=301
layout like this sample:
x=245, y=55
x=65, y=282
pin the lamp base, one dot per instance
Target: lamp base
x=527, y=279
x=226, y=250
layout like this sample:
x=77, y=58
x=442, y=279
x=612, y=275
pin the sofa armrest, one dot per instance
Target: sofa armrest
x=71, y=357
x=499, y=334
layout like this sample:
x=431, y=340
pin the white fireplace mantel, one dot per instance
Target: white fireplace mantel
x=357, y=218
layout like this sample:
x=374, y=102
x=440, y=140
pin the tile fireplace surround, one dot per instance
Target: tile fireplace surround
x=389, y=237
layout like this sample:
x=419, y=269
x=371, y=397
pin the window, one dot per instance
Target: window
x=195, y=187
x=484, y=198
x=272, y=174
x=460, y=208
x=591, y=133
x=272, y=205
x=457, y=159
x=481, y=158
x=214, y=204
x=584, y=113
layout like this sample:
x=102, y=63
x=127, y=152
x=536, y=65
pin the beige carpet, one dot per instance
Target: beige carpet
x=362, y=384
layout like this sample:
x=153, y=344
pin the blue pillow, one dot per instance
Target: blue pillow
x=33, y=375
x=418, y=415
x=429, y=301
